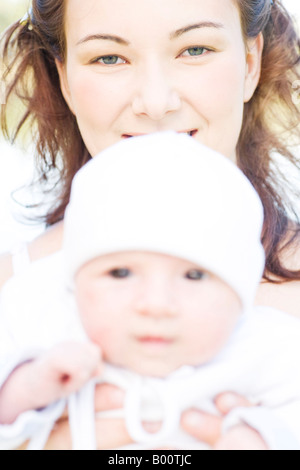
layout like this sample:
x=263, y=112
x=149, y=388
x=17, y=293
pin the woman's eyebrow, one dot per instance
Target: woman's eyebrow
x=203, y=24
x=103, y=37
x=175, y=34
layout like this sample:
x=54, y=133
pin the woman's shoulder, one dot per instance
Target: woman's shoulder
x=283, y=296
x=47, y=243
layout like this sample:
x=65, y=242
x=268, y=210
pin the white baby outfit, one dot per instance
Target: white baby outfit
x=261, y=361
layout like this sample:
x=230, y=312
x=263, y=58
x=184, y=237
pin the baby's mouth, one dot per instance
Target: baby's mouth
x=155, y=342
x=154, y=339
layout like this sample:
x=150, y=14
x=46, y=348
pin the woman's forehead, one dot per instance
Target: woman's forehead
x=131, y=18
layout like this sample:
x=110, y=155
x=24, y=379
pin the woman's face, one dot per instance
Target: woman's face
x=140, y=66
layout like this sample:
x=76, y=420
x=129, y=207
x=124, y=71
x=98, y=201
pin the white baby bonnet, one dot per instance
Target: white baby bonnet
x=167, y=193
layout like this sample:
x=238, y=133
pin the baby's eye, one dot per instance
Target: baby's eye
x=119, y=273
x=194, y=51
x=110, y=60
x=196, y=274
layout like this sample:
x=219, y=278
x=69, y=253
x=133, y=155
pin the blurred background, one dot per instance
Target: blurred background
x=11, y=10
x=16, y=167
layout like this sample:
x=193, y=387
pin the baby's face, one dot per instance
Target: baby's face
x=153, y=313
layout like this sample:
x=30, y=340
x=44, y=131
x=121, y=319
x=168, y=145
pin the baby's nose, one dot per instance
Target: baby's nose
x=157, y=300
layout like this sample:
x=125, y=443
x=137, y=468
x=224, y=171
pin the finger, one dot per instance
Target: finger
x=165, y=448
x=241, y=438
x=108, y=397
x=226, y=402
x=98, y=370
x=60, y=437
x=111, y=434
x=151, y=427
x=202, y=426
x=23, y=446
x=64, y=415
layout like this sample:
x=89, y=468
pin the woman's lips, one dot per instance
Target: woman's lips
x=191, y=133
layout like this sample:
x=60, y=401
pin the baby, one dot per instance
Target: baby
x=162, y=258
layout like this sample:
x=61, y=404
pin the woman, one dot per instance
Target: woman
x=107, y=70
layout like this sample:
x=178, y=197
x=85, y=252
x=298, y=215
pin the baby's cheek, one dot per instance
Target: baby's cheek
x=207, y=338
x=100, y=335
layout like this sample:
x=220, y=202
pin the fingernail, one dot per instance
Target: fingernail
x=229, y=400
x=193, y=419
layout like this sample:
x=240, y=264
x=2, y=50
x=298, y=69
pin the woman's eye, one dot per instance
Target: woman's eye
x=110, y=60
x=194, y=51
x=195, y=275
x=119, y=273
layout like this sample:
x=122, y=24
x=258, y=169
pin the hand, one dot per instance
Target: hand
x=207, y=428
x=52, y=376
x=64, y=369
x=110, y=433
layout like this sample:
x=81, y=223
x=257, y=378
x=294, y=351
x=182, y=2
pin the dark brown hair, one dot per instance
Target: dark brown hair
x=30, y=49
x=271, y=123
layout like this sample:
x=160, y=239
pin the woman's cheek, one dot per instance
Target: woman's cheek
x=90, y=100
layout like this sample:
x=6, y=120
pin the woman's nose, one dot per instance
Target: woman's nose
x=157, y=300
x=155, y=96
